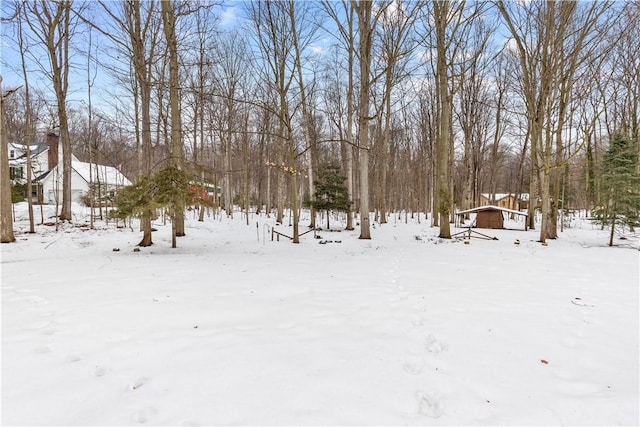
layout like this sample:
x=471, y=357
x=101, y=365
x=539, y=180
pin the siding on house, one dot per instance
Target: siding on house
x=505, y=200
x=82, y=174
x=18, y=163
x=47, y=172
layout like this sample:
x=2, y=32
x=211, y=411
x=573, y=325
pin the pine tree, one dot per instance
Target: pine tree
x=620, y=186
x=168, y=188
x=331, y=191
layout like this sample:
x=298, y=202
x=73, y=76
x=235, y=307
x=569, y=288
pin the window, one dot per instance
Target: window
x=15, y=172
x=12, y=154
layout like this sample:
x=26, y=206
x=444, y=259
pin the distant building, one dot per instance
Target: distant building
x=18, y=161
x=46, y=172
x=505, y=200
x=489, y=216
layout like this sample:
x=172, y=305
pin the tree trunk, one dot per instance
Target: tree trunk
x=6, y=226
x=51, y=23
x=364, y=11
x=613, y=229
x=306, y=118
x=444, y=140
x=176, y=148
x=142, y=64
x=384, y=146
x=349, y=148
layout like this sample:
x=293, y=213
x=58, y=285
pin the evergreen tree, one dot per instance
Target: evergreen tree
x=168, y=188
x=331, y=191
x=173, y=193
x=620, y=186
x=18, y=192
x=135, y=200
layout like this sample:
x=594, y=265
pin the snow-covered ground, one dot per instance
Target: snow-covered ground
x=232, y=328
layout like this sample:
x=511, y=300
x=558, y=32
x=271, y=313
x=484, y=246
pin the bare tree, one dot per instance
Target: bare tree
x=176, y=149
x=367, y=22
x=273, y=25
x=500, y=71
x=348, y=37
x=139, y=24
x=473, y=108
x=395, y=26
x=53, y=24
x=303, y=33
x=6, y=225
x=230, y=86
x=447, y=18
x=199, y=76
x=29, y=127
x=626, y=69
x=566, y=35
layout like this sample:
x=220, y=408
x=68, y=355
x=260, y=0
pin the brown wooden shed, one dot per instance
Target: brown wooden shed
x=490, y=216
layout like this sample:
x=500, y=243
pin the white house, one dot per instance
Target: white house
x=82, y=175
x=18, y=161
x=47, y=172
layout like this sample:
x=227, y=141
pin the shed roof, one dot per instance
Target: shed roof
x=491, y=208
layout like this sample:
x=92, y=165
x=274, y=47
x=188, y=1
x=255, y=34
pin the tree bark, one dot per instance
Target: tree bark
x=6, y=226
x=444, y=140
x=176, y=149
x=364, y=11
x=51, y=23
x=29, y=127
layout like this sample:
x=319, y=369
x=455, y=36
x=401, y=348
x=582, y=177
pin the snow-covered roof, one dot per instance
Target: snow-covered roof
x=499, y=196
x=105, y=174
x=37, y=146
x=490, y=208
x=91, y=172
x=42, y=177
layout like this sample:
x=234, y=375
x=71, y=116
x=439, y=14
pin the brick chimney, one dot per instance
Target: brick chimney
x=52, y=142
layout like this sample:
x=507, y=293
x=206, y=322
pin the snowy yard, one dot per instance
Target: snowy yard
x=231, y=328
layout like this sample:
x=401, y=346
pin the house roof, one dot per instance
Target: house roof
x=87, y=171
x=499, y=196
x=490, y=208
x=35, y=150
x=91, y=172
x=21, y=159
x=40, y=178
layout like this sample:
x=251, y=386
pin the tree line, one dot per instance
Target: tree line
x=424, y=105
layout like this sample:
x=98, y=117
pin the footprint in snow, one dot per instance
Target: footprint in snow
x=142, y=415
x=429, y=405
x=100, y=371
x=73, y=358
x=434, y=346
x=417, y=321
x=413, y=367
